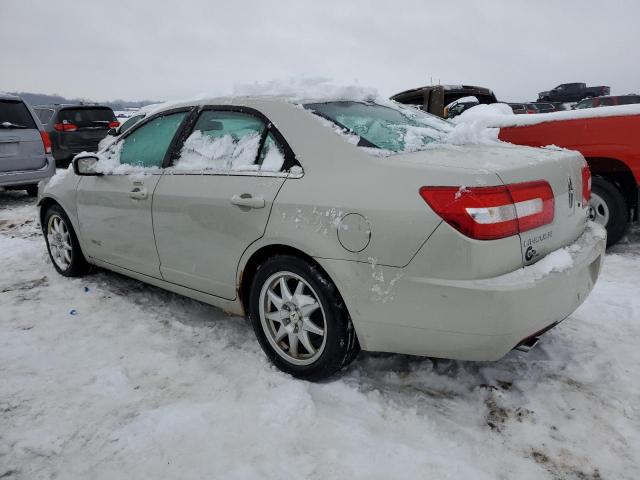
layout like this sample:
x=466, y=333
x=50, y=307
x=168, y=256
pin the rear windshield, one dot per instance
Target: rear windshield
x=397, y=129
x=87, y=117
x=15, y=114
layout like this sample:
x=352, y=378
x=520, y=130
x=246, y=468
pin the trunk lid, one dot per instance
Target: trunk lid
x=562, y=169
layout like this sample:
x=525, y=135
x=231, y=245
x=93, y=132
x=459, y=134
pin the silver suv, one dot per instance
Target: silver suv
x=25, y=148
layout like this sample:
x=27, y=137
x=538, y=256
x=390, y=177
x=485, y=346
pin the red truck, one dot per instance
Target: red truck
x=609, y=138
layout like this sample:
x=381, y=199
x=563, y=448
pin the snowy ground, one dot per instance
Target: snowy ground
x=142, y=384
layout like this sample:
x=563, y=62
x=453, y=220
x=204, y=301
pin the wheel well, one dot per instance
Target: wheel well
x=620, y=175
x=44, y=205
x=258, y=258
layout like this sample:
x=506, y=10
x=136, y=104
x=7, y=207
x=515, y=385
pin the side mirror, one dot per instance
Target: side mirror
x=86, y=166
x=113, y=132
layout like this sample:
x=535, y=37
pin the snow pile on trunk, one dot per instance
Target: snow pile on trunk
x=483, y=113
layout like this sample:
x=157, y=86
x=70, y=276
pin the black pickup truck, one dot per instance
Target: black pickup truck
x=572, y=92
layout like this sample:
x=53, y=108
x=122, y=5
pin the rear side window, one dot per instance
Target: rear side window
x=147, y=145
x=226, y=140
x=44, y=114
x=87, y=117
x=15, y=114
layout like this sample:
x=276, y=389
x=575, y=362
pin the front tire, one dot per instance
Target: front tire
x=609, y=208
x=300, y=319
x=62, y=243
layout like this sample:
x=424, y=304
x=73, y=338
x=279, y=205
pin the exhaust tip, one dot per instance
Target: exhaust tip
x=527, y=344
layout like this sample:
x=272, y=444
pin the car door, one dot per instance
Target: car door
x=216, y=198
x=114, y=209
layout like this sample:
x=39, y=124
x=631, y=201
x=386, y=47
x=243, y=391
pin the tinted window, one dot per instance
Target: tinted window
x=44, y=114
x=147, y=146
x=14, y=114
x=222, y=140
x=87, y=117
x=607, y=102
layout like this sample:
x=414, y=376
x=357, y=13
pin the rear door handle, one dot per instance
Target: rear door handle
x=246, y=200
x=138, y=193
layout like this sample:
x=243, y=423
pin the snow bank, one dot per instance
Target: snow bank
x=497, y=116
x=141, y=383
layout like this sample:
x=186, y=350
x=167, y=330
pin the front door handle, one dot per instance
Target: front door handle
x=138, y=193
x=246, y=200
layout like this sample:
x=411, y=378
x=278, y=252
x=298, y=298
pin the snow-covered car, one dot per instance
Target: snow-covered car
x=335, y=225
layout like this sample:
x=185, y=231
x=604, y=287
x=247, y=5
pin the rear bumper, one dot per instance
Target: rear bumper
x=28, y=177
x=467, y=319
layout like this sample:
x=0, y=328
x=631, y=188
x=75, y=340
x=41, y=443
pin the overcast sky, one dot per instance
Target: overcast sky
x=152, y=49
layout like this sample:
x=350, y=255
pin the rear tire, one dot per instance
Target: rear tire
x=302, y=325
x=62, y=243
x=609, y=208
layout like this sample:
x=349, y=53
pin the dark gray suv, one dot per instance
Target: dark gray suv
x=25, y=148
x=75, y=128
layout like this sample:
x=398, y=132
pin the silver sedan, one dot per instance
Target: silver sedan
x=335, y=225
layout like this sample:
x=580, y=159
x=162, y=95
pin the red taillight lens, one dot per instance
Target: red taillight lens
x=46, y=141
x=114, y=124
x=489, y=213
x=586, y=185
x=65, y=127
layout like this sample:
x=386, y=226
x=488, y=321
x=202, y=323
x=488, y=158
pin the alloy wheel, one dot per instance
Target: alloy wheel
x=59, y=240
x=292, y=318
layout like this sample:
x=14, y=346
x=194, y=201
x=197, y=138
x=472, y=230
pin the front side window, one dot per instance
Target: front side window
x=147, y=146
x=229, y=140
x=397, y=129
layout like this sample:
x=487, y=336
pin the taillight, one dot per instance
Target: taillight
x=489, y=213
x=46, y=141
x=586, y=185
x=65, y=127
x=114, y=124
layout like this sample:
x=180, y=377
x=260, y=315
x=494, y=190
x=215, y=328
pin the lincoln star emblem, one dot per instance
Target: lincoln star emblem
x=571, y=192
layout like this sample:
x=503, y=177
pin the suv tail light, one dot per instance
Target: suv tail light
x=586, y=185
x=114, y=124
x=46, y=141
x=65, y=127
x=489, y=213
